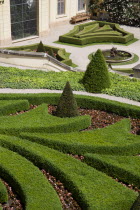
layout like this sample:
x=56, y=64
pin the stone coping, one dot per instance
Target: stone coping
x=119, y=61
x=37, y=55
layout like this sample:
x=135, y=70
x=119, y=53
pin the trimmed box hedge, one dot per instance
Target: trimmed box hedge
x=3, y=193
x=120, y=36
x=124, y=168
x=38, y=120
x=90, y=102
x=33, y=188
x=114, y=139
x=89, y=186
x=62, y=55
x=13, y=106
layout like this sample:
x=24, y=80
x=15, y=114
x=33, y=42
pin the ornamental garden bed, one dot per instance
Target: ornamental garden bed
x=96, y=32
x=36, y=139
x=58, y=53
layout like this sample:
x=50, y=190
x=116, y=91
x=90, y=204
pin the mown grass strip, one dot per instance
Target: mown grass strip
x=34, y=190
x=89, y=186
x=13, y=106
x=3, y=193
x=39, y=120
x=114, y=139
x=125, y=168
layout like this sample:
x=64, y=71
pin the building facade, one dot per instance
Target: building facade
x=24, y=19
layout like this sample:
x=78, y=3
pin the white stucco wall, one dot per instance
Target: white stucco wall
x=5, y=23
x=47, y=17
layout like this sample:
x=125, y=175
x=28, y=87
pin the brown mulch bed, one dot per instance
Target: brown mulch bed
x=101, y=119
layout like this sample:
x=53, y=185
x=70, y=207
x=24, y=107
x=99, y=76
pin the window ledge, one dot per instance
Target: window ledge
x=61, y=16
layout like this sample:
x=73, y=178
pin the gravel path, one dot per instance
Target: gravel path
x=113, y=98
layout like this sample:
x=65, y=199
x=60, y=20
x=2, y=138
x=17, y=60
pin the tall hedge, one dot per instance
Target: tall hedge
x=96, y=77
x=67, y=105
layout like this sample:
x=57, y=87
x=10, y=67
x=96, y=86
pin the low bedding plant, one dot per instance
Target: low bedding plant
x=22, y=79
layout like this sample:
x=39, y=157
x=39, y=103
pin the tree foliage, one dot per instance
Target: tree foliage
x=120, y=11
x=96, y=77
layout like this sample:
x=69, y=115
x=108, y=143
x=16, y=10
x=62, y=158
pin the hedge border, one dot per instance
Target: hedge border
x=69, y=37
x=14, y=106
x=115, y=170
x=62, y=55
x=77, y=176
x=3, y=193
x=89, y=102
x=34, y=190
x=38, y=120
x=89, y=141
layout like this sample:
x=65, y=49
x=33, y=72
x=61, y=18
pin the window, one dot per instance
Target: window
x=23, y=18
x=61, y=7
x=81, y=5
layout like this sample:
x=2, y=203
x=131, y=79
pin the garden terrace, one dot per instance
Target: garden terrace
x=59, y=53
x=96, y=32
x=38, y=139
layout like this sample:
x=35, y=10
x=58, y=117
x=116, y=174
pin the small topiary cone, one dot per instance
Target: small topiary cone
x=40, y=47
x=96, y=77
x=67, y=105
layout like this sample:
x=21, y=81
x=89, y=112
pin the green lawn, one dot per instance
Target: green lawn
x=22, y=79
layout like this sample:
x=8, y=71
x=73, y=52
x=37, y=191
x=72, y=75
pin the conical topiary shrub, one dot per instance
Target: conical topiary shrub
x=40, y=47
x=67, y=106
x=96, y=77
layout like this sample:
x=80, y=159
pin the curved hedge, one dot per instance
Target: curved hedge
x=62, y=55
x=3, y=193
x=29, y=183
x=125, y=168
x=117, y=35
x=114, y=140
x=89, y=186
x=90, y=102
x=13, y=106
x=38, y=120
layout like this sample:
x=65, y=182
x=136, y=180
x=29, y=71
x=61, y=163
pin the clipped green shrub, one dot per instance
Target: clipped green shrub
x=29, y=183
x=51, y=52
x=125, y=168
x=40, y=47
x=96, y=77
x=136, y=205
x=3, y=193
x=38, y=120
x=88, y=186
x=74, y=36
x=13, y=106
x=115, y=139
x=67, y=106
x=89, y=102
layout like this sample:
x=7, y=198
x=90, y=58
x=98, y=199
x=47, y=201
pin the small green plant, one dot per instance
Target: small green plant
x=96, y=77
x=40, y=47
x=67, y=105
x=51, y=52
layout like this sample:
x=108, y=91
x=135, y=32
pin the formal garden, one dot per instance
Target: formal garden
x=66, y=151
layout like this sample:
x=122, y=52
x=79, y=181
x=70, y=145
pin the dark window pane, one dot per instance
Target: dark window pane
x=23, y=18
